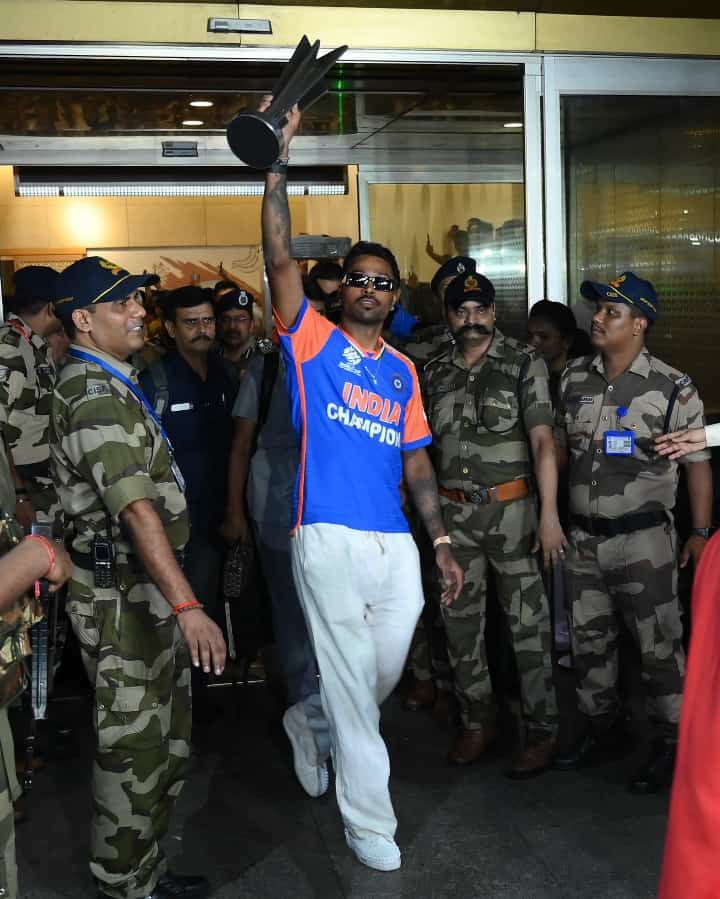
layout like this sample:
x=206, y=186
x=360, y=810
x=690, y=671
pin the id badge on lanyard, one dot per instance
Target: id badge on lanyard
x=619, y=443
x=142, y=400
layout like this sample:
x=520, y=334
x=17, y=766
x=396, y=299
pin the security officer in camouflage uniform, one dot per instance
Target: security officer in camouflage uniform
x=622, y=559
x=27, y=375
x=428, y=652
x=133, y=611
x=488, y=404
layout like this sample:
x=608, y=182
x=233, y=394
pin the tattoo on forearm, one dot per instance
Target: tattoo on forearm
x=276, y=222
x=425, y=496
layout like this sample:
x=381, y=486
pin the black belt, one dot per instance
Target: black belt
x=134, y=563
x=613, y=527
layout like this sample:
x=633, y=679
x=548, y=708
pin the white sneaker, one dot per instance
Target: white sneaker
x=375, y=851
x=314, y=778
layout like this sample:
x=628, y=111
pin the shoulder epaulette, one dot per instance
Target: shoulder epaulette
x=10, y=336
x=679, y=378
x=438, y=357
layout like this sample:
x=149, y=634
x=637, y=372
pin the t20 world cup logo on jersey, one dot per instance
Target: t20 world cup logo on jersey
x=352, y=359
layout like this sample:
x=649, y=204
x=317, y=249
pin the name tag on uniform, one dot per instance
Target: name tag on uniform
x=182, y=407
x=619, y=443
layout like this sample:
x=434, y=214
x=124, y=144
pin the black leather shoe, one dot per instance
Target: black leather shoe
x=177, y=886
x=657, y=772
x=593, y=748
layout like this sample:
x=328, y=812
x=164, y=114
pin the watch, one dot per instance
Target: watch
x=700, y=532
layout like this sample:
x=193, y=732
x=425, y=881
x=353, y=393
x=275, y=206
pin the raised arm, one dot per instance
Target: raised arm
x=286, y=287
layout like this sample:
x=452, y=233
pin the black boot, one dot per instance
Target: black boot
x=178, y=886
x=657, y=772
x=181, y=886
x=595, y=747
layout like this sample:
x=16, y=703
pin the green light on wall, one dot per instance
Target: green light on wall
x=340, y=90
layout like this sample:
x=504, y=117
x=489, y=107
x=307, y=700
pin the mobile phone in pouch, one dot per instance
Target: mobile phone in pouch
x=103, y=559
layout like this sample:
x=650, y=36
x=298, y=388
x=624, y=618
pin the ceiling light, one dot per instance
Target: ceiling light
x=240, y=189
x=192, y=123
x=513, y=125
x=38, y=190
x=171, y=181
x=202, y=104
x=686, y=211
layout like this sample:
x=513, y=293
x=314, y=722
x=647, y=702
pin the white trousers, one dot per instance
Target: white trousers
x=362, y=594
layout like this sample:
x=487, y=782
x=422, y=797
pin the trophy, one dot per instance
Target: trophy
x=254, y=137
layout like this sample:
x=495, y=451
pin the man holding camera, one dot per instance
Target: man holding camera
x=133, y=610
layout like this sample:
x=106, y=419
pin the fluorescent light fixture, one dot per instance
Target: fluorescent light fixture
x=178, y=180
x=202, y=104
x=38, y=190
x=192, y=123
x=513, y=125
x=173, y=190
x=326, y=190
x=695, y=243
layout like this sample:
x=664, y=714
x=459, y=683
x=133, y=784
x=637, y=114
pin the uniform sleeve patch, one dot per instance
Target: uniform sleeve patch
x=95, y=390
x=685, y=381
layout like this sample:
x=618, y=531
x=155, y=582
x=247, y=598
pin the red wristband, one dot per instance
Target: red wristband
x=49, y=549
x=186, y=606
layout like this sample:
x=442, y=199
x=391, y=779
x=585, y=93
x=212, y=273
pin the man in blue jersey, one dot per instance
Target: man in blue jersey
x=357, y=407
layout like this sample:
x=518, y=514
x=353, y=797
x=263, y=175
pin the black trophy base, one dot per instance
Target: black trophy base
x=254, y=139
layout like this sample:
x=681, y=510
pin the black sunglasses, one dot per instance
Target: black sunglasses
x=362, y=279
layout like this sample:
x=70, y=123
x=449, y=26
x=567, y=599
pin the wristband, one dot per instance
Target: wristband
x=49, y=549
x=186, y=606
x=438, y=540
x=280, y=166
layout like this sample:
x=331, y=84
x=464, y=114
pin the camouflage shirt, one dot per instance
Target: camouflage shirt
x=27, y=376
x=107, y=453
x=480, y=416
x=427, y=343
x=610, y=486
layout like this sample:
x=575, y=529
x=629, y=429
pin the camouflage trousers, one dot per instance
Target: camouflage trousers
x=9, y=792
x=501, y=535
x=632, y=576
x=139, y=666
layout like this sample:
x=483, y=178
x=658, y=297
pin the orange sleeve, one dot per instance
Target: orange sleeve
x=308, y=335
x=416, y=431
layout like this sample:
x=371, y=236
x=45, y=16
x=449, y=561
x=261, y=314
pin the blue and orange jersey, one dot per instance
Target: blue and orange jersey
x=356, y=412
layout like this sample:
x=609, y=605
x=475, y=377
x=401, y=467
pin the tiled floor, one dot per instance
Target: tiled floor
x=469, y=834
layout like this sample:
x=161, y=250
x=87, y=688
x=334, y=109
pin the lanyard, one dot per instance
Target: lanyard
x=134, y=389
